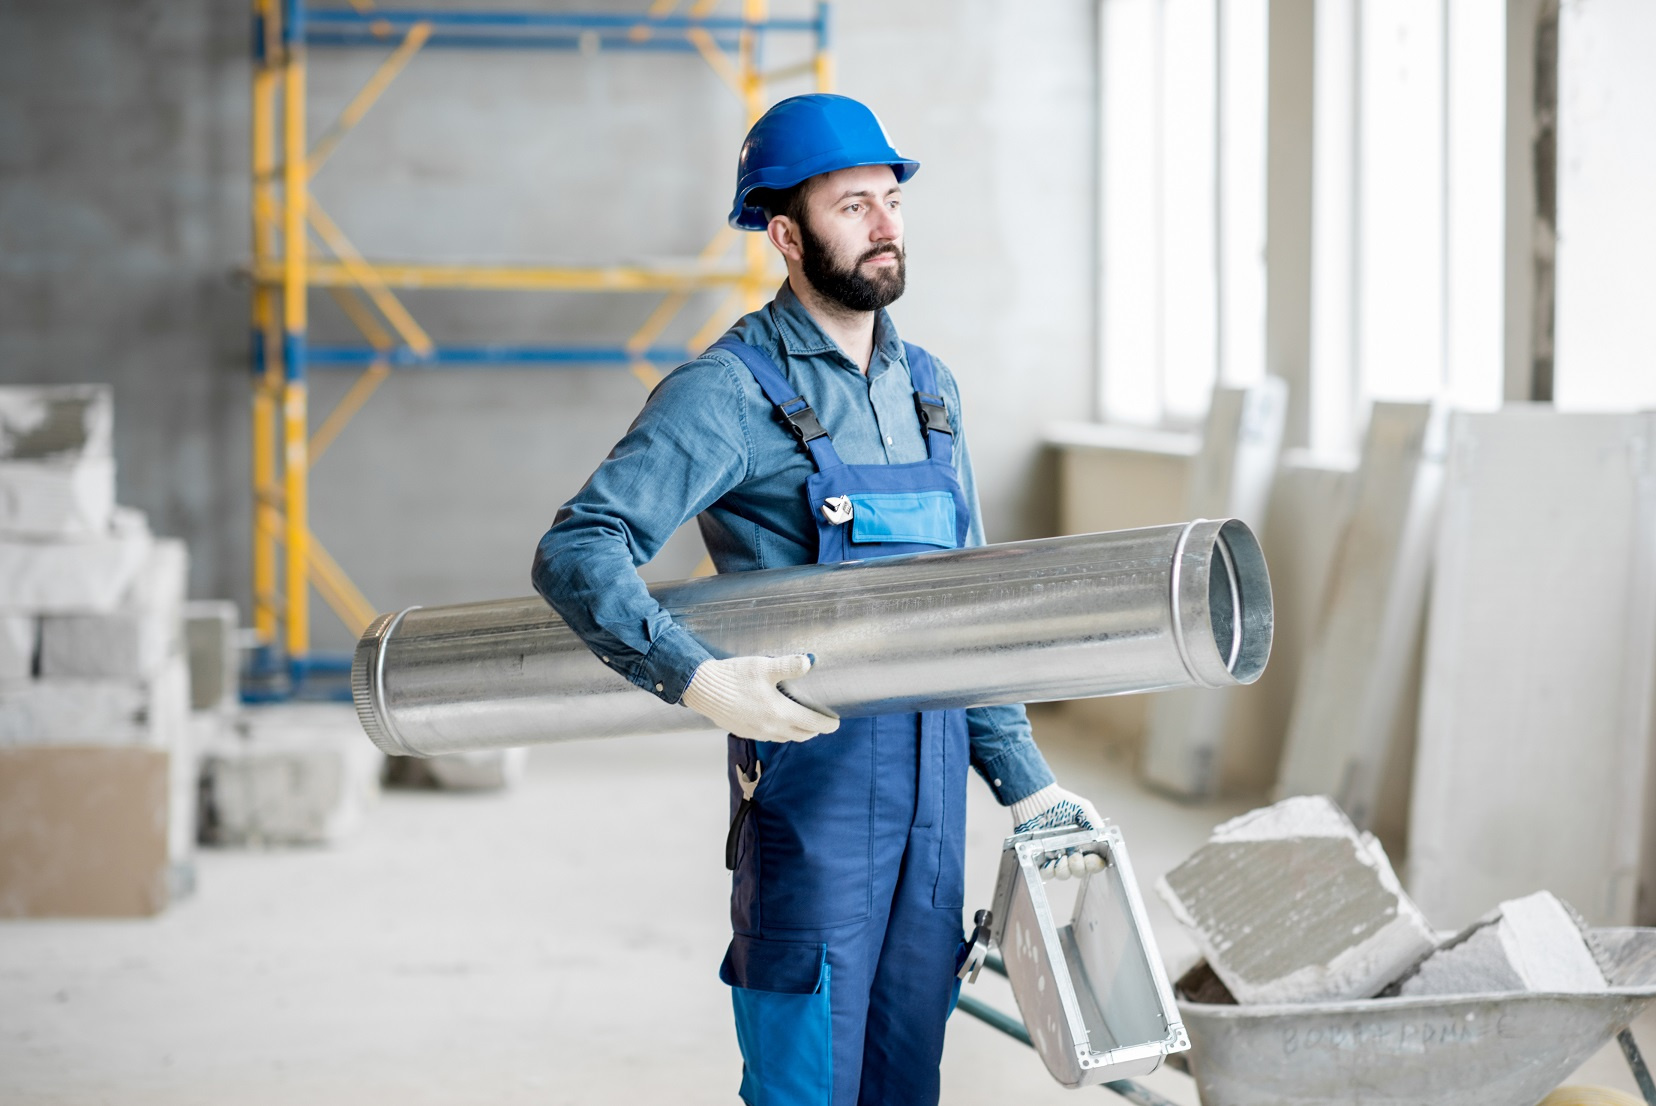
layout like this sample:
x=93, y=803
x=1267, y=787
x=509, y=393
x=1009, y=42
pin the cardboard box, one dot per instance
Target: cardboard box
x=84, y=832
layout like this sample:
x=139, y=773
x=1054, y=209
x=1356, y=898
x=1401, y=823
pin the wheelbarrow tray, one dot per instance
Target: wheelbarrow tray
x=1507, y=1049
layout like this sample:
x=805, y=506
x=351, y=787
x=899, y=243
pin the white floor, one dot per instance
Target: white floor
x=555, y=944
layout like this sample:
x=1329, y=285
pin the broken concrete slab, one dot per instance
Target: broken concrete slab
x=84, y=575
x=210, y=629
x=19, y=640
x=57, y=499
x=1534, y=943
x=1290, y=903
x=133, y=641
x=288, y=774
x=56, y=421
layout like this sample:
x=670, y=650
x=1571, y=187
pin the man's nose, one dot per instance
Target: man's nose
x=888, y=226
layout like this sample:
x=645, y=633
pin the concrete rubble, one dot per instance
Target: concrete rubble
x=1290, y=904
x=288, y=774
x=1535, y=943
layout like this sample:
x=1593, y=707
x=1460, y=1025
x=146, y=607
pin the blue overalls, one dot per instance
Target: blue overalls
x=849, y=865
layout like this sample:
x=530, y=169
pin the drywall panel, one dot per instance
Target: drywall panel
x=1231, y=478
x=1535, y=720
x=1354, y=713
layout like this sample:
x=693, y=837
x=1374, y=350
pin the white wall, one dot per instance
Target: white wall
x=1605, y=341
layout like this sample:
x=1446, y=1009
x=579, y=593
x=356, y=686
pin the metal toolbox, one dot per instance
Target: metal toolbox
x=1092, y=993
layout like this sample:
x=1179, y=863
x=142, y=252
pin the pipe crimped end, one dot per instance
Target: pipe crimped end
x=368, y=685
x=1223, y=617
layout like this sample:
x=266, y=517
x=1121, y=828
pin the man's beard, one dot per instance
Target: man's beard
x=847, y=286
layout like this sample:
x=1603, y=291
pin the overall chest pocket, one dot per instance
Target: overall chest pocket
x=921, y=518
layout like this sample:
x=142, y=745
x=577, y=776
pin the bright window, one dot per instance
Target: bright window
x=1183, y=205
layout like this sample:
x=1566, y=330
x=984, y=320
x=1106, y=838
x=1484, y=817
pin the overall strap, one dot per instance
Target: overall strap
x=795, y=410
x=928, y=404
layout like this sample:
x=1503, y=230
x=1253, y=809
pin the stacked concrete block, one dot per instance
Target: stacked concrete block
x=19, y=642
x=57, y=472
x=288, y=774
x=92, y=669
x=210, y=632
x=1291, y=904
x=1535, y=943
x=134, y=640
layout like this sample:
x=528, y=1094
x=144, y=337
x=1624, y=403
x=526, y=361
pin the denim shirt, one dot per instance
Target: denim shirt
x=708, y=445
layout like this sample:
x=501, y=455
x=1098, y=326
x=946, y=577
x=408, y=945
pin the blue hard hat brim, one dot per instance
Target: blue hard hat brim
x=745, y=217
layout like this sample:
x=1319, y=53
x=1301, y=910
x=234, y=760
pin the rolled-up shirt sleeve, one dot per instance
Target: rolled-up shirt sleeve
x=1003, y=748
x=687, y=448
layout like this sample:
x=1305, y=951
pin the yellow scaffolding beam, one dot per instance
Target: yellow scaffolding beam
x=287, y=557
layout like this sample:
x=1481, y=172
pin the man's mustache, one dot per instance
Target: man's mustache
x=881, y=251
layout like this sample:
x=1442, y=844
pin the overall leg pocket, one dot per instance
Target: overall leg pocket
x=779, y=990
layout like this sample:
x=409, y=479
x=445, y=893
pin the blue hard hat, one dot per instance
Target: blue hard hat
x=803, y=136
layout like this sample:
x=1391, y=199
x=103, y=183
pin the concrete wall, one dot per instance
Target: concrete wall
x=122, y=216
x=122, y=199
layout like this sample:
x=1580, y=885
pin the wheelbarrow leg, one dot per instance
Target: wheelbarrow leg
x=1012, y=1027
x=1636, y=1061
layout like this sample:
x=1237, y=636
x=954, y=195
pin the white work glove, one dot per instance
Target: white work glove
x=740, y=696
x=1050, y=808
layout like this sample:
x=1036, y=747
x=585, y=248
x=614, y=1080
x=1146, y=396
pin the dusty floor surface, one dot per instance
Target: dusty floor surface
x=555, y=944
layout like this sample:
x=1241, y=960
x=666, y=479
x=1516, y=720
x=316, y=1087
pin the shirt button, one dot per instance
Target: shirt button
x=660, y=688
x=606, y=660
x=997, y=783
x=888, y=439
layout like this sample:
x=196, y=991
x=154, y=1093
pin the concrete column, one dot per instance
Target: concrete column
x=1288, y=209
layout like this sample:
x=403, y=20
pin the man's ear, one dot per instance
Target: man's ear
x=783, y=233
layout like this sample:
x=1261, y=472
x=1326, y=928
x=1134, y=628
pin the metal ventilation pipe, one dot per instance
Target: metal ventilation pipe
x=1059, y=618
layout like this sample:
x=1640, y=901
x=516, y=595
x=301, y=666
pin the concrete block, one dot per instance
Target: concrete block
x=131, y=642
x=19, y=641
x=210, y=629
x=481, y=770
x=1534, y=763
x=57, y=499
x=149, y=712
x=56, y=421
x=292, y=774
x=84, y=832
x=1530, y=944
x=1231, y=478
x=1353, y=725
x=85, y=575
x=1290, y=903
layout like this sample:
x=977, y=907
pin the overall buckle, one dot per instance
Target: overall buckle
x=802, y=424
x=933, y=415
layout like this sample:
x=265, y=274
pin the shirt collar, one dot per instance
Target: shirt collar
x=802, y=337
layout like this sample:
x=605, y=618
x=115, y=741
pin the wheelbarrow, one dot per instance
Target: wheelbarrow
x=1506, y=1049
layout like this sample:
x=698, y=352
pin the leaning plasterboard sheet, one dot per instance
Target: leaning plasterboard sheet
x=1353, y=718
x=1535, y=721
x=1231, y=478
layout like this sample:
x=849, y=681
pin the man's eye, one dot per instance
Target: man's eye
x=853, y=207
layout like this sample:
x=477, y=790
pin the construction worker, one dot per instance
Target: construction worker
x=811, y=433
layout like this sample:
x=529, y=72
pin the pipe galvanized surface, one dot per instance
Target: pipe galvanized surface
x=1187, y=605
